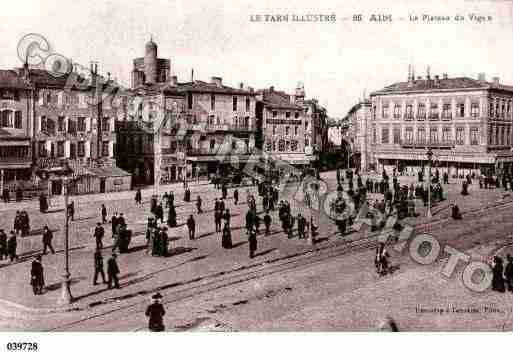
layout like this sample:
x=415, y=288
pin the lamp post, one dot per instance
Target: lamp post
x=66, y=297
x=429, y=155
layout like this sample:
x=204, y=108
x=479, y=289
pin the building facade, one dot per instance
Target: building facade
x=63, y=122
x=283, y=127
x=466, y=122
x=355, y=132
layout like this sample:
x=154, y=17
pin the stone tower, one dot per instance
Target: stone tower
x=150, y=62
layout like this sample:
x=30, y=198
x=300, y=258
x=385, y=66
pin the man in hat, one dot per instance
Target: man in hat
x=47, y=240
x=112, y=272
x=114, y=223
x=236, y=196
x=71, y=211
x=98, y=267
x=99, y=232
x=191, y=225
x=37, y=279
x=155, y=312
x=104, y=213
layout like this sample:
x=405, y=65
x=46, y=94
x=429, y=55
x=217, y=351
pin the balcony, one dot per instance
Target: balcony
x=446, y=117
x=427, y=143
x=434, y=117
x=216, y=151
x=421, y=116
x=408, y=117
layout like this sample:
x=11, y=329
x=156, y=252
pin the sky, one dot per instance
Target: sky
x=337, y=61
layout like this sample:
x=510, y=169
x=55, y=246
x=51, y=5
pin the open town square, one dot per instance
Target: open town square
x=205, y=166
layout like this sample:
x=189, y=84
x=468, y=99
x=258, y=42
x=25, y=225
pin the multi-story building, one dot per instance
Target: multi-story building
x=466, y=122
x=283, y=126
x=15, y=130
x=64, y=122
x=207, y=126
x=355, y=132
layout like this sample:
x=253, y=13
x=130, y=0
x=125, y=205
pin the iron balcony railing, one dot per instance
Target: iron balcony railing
x=427, y=143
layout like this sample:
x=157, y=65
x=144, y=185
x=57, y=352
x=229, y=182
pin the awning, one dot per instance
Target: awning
x=4, y=143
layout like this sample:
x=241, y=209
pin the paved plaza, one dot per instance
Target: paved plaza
x=295, y=284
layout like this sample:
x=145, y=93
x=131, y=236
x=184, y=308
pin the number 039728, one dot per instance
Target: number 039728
x=22, y=346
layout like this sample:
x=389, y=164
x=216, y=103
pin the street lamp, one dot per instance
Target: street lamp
x=66, y=297
x=429, y=155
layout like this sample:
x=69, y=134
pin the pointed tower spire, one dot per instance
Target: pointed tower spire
x=409, y=72
x=428, y=76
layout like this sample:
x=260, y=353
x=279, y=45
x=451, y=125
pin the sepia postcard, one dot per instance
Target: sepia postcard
x=255, y=166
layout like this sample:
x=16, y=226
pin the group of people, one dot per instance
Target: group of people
x=22, y=223
x=157, y=239
x=8, y=246
x=502, y=277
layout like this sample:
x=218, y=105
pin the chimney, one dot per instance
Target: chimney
x=218, y=81
x=419, y=78
x=241, y=85
x=481, y=77
x=428, y=75
x=173, y=80
x=437, y=78
x=496, y=81
x=445, y=77
x=192, y=75
x=410, y=77
x=271, y=89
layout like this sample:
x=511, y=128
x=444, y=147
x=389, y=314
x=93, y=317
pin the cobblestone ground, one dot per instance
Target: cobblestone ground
x=316, y=286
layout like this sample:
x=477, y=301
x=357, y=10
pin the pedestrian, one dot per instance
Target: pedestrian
x=226, y=240
x=121, y=220
x=71, y=211
x=5, y=195
x=43, y=203
x=508, y=272
x=47, y=240
x=19, y=194
x=171, y=217
x=187, y=195
x=198, y=205
x=104, y=214
x=191, y=225
x=37, y=279
x=313, y=229
x=11, y=246
x=267, y=223
x=497, y=275
x=236, y=196
x=249, y=221
x=301, y=226
x=224, y=191
x=227, y=216
x=138, y=196
x=114, y=223
x=155, y=312
x=99, y=232
x=98, y=267
x=3, y=245
x=222, y=206
x=112, y=272
x=252, y=239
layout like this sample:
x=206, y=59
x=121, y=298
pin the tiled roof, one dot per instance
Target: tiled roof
x=12, y=80
x=278, y=99
x=201, y=86
x=442, y=84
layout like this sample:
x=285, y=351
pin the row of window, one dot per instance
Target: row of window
x=446, y=135
x=282, y=146
x=235, y=102
x=287, y=130
x=76, y=149
x=288, y=114
x=14, y=152
x=11, y=119
x=434, y=112
x=78, y=124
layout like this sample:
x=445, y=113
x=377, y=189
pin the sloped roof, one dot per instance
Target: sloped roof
x=12, y=80
x=425, y=85
x=109, y=172
x=278, y=99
